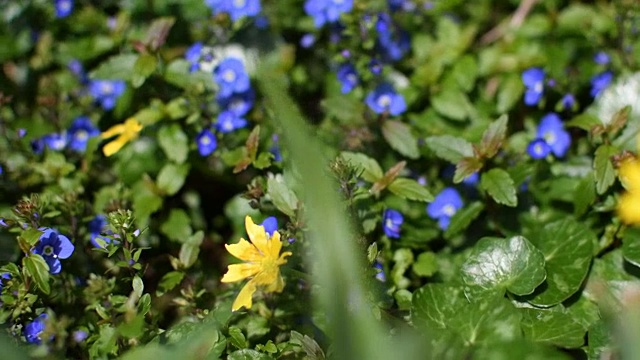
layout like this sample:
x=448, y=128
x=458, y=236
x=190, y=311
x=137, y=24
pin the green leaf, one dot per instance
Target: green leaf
x=568, y=247
x=281, y=195
x=450, y=148
x=178, y=226
x=426, y=264
x=599, y=340
x=37, y=269
x=31, y=236
x=132, y=329
x=399, y=137
x=585, y=121
x=248, y=354
x=631, y=245
x=158, y=32
x=465, y=168
x=510, y=92
x=145, y=201
x=518, y=349
x=488, y=320
x=116, y=67
x=410, y=189
x=310, y=346
x=552, y=327
x=499, y=185
x=465, y=72
x=452, y=104
x=144, y=66
x=172, y=177
x=513, y=264
x=434, y=305
x=190, y=249
x=237, y=338
x=371, y=170
x=493, y=137
x=584, y=195
x=169, y=281
x=263, y=160
x=604, y=171
x=462, y=218
x=174, y=142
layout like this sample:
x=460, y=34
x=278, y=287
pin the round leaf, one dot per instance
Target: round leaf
x=513, y=264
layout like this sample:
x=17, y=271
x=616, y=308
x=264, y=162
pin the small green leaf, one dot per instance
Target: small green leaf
x=499, y=185
x=513, y=264
x=169, y=281
x=426, y=264
x=410, y=189
x=599, y=339
x=281, y=195
x=465, y=168
x=451, y=103
x=178, y=226
x=158, y=32
x=116, y=67
x=190, y=249
x=493, y=137
x=248, y=354
x=174, y=142
x=519, y=349
x=263, y=160
x=462, y=218
x=510, y=92
x=399, y=137
x=568, y=247
x=371, y=170
x=631, y=245
x=138, y=286
x=236, y=337
x=172, y=177
x=31, y=236
x=585, y=121
x=144, y=66
x=552, y=327
x=584, y=195
x=37, y=269
x=604, y=172
x=310, y=346
x=450, y=148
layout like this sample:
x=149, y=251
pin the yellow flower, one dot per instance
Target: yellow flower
x=629, y=202
x=262, y=263
x=127, y=131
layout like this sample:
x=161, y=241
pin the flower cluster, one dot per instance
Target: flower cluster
x=393, y=42
x=444, y=206
x=550, y=137
x=348, y=77
x=75, y=137
x=106, y=92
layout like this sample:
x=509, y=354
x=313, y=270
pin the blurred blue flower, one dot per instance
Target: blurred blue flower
x=193, y=55
x=538, y=149
x=63, y=8
x=600, y=82
x=391, y=222
x=79, y=336
x=375, y=66
x=601, y=58
x=1, y=170
x=551, y=130
x=76, y=68
x=380, y=275
x=235, y=8
x=98, y=226
x=106, y=92
x=206, y=142
x=348, y=77
x=37, y=146
x=270, y=225
x=3, y=276
x=79, y=133
x=307, y=40
x=55, y=141
x=231, y=77
x=393, y=42
x=385, y=99
x=326, y=11
x=228, y=122
x=275, y=148
x=567, y=102
x=53, y=247
x=237, y=103
x=34, y=329
x=533, y=80
x=444, y=206
x=3, y=223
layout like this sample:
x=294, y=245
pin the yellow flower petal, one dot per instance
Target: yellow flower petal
x=244, y=298
x=629, y=173
x=276, y=286
x=257, y=235
x=113, y=146
x=243, y=250
x=237, y=272
x=113, y=131
x=629, y=208
x=128, y=131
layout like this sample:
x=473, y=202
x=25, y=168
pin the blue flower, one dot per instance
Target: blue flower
x=380, y=275
x=106, y=92
x=393, y=42
x=270, y=225
x=55, y=141
x=3, y=223
x=600, y=82
x=79, y=133
x=37, y=146
x=3, y=276
x=375, y=66
x=76, y=68
x=53, y=247
x=326, y=11
x=193, y=55
x=551, y=130
x=444, y=206
x=231, y=77
x=228, y=122
x=307, y=40
x=533, y=80
x=63, y=8
x=275, y=148
x=98, y=226
x=385, y=99
x=1, y=170
x=237, y=103
x=538, y=149
x=34, y=329
x=79, y=336
x=236, y=8
x=568, y=101
x=348, y=76
x=207, y=142
x=601, y=58
x=391, y=222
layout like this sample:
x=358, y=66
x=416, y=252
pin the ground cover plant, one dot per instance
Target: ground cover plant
x=310, y=179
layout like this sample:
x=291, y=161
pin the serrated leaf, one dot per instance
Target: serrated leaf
x=513, y=264
x=585, y=121
x=450, y=148
x=399, y=137
x=462, y=218
x=281, y=195
x=552, y=327
x=410, y=189
x=493, y=137
x=465, y=168
x=170, y=280
x=451, y=103
x=371, y=170
x=568, y=248
x=31, y=236
x=426, y=264
x=510, y=92
x=174, y=143
x=172, y=177
x=388, y=177
x=498, y=184
x=144, y=66
x=631, y=245
x=604, y=172
x=177, y=227
x=37, y=270
x=116, y=67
